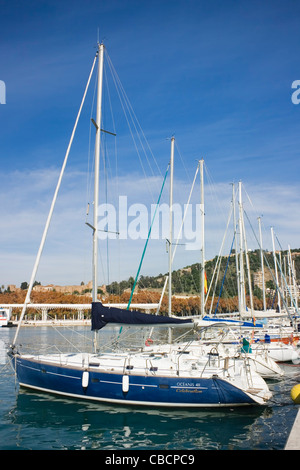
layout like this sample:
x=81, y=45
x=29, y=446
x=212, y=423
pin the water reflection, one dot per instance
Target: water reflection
x=42, y=421
x=70, y=424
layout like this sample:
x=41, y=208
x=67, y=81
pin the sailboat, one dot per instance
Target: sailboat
x=128, y=375
x=230, y=347
x=278, y=339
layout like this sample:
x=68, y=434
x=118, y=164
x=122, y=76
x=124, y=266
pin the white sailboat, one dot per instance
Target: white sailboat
x=276, y=335
x=231, y=345
x=4, y=316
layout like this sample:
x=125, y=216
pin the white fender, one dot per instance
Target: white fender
x=125, y=383
x=85, y=379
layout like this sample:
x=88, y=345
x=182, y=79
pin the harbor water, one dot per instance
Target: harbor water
x=39, y=421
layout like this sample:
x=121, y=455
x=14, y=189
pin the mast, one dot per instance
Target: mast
x=202, y=237
x=236, y=248
x=242, y=278
x=171, y=234
x=248, y=267
x=97, y=166
x=171, y=223
x=276, y=271
x=262, y=263
x=46, y=228
x=293, y=283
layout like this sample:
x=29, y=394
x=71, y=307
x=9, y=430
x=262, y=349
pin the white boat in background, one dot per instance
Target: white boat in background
x=279, y=351
x=4, y=316
x=222, y=343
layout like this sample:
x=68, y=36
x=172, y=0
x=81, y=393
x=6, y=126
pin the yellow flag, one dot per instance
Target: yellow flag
x=205, y=283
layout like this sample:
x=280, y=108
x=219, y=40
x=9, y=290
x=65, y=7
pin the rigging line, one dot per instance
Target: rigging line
x=104, y=260
x=250, y=201
x=109, y=167
x=185, y=212
x=274, y=280
x=149, y=233
x=182, y=223
x=123, y=103
x=278, y=242
x=104, y=153
x=182, y=160
x=108, y=170
x=41, y=247
x=114, y=127
x=133, y=123
x=130, y=106
x=287, y=288
x=130, y=129
x=218, y=263
x=223, y=280
x=90, y=170
x=90, y=160
x=213, y=193
x=65, y=338
x=215, y=273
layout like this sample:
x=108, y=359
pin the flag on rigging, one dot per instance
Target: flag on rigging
x=205, y=283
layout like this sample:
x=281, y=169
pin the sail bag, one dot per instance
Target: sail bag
x=102, y=315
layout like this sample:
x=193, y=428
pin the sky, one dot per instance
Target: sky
x=218, y=76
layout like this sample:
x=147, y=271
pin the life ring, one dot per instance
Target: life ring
x=148, y=342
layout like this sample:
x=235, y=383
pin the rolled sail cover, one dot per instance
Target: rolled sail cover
x=102, y=315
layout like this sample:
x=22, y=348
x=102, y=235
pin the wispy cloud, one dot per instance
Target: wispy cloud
x=215, y=75
x=26, y=198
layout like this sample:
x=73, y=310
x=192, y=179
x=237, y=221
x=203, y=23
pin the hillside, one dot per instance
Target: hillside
x=187, y=280
x=185, y=287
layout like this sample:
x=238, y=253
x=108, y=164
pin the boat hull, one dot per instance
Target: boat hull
x=280, y=352
x=132, y=389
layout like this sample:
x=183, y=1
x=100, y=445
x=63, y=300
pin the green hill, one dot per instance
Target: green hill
x=187, y=280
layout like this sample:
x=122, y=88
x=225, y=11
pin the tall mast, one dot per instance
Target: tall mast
x=202, y=237
x=46, y=228
x=262, y=264
x=276, y=271
x=293, y=283
x=97, y=166
x=171, y=223
x=236, y=247
x=242, y=276
x=248, y=266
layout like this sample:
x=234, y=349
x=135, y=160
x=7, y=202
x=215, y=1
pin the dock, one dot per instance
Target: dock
x=293, y=442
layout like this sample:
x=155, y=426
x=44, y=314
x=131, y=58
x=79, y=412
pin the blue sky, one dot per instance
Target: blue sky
x=217, y=75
